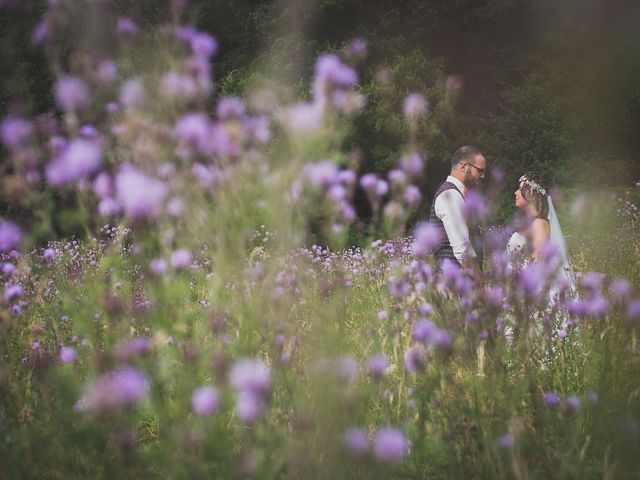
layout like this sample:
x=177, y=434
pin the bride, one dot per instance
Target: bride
x=538, y=236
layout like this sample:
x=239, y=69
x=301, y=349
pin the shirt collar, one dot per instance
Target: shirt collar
x=457, y=183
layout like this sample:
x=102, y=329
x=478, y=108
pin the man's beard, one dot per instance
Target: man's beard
x=469, y=181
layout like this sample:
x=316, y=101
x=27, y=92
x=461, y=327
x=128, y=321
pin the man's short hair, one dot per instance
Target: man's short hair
x=465, y=154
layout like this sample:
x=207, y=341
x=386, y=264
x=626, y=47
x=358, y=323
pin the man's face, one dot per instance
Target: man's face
x=474, y=171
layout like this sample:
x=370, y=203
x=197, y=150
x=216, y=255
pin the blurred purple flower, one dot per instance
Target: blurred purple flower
x=12, y=291
x=302, y=118
x=551, y=399
x=475, y=207
x=68, y=355
x=506, y=441
x=107, y=71
x=532, y=279
x=8, y=269
x=203, y=45
x=415, y=358
x=572, y=404
x=357, y=441
x=592, y=281
x=619, y=289
x=205, y=401
x=114, y=390
x=454, y=84
x=126, y=349
x=597, y=306
x=79, y=159
x=322, y=174
x=132, y=93
x=10, y=236
x=15, y=132
x=414, y=107
x=249, y=406
x=330, y=72
x=426, y=237
x=251, y=374
x=397, y=177
x=421, y=331
x=158, y=267
x=178, y=86
x=412, y=195
x=390, y=444
x=411, y=164
x=633, y=310
x=193, y=129
x=399, y=287
x=368, y=182
x=139, y=194
x=378, y=365
x=108, y=207
x=230, y=108
x=103, y=186
x=356, y=48
x=382, y=188
x=71, y=93
x=126, y=27
x=41, y=32
x=181, y=259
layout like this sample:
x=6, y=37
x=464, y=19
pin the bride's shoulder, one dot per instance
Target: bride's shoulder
x=540, y=226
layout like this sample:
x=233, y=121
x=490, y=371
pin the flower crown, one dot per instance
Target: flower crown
x=535, y=186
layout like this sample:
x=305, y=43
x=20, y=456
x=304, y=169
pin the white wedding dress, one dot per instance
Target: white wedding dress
x=518, y=247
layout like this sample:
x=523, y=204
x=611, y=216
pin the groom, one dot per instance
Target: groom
x=468, y=167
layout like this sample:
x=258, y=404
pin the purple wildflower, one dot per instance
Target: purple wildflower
x=79, y=159
x=356, y=48
x=40, y=33
x=8, y=269
x=132, y=93
x=181, y=258
x=230, y=108
x=68, y=355
x=71, y=93
x=390, y=444
x=506, y=441
x=412, y=195
x=633, y=310
x=357, y=441
x=12, y=291
x=139, y=194
x=126, y=27
x=10, y=236
x=203, y=45
x=421, y=330
x=205, y=401
x=15, y=132
x=322, y=174
x=178, y=86
x=572, y=404
x=302, y=118
x=619, y=289
x=368, y=182
x=249, y=406
x=475, y=207
x=454, y=84
x=412, y=164
x=415, y=358
x=250, y=374
x=551, y=399
x=378, y=365
x=127, y=349
x=103, y=186
x=427, y=236
x=414, y=107
x=107, y=71
x=114, y=390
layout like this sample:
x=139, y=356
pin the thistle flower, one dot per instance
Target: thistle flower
x=230, y=108
x=427, y=236
x=181, y=259
x=412, y=164
x=132, y=93
x=390, y=444
x=203, y=45
x=71, y=93
x=551, y=399
x=378, y=365
x=415, y=358
x=126, y=27
x=139, y=194
x=15, y=132
x=78, y=160
x=68, y=355
x=249, y=406
x=114, y=390
x=356, y=441
x=107, y=71
x=10, y=236
x=251, y=374
x=205, y=401
x=414, y=107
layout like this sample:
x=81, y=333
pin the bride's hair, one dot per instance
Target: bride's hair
x=533, y=189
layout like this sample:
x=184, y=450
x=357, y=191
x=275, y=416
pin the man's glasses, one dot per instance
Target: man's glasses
x=481, y=170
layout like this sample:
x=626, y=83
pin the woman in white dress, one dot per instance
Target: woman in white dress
x=538, y=235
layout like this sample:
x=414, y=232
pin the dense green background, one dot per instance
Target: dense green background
x=552, y=86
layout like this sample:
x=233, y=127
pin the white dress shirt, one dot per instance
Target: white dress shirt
x=449, y=208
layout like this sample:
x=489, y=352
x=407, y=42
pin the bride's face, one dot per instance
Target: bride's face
x=521, y=202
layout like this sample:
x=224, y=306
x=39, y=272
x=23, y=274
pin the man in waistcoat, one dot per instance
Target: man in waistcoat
x=460, y=243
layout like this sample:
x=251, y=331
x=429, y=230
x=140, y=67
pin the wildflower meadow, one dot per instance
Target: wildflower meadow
x=220, y=309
